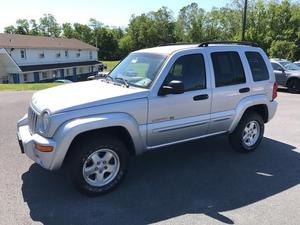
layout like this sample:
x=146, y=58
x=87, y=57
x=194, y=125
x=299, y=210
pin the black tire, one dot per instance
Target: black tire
x=294, y=86
x=236, y=137
x=79, y=156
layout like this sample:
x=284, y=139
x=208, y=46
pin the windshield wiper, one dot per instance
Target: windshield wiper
x=123, y=80
x=108, y=76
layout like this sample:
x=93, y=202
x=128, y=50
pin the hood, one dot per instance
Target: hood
x=80, y=95
x=293, y=72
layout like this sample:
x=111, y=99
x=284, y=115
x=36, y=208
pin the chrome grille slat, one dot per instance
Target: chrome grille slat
x=32, y=119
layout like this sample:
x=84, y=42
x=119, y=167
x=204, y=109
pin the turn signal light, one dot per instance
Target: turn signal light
x=275, y=87
x=43, y=148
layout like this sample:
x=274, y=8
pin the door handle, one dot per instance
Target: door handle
x=244, y=90
x=200, y=97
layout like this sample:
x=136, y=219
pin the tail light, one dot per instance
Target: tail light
x=275, y=87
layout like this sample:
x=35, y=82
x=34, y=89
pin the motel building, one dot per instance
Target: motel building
x=34, y=59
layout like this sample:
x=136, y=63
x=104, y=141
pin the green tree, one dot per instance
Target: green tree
x=10, y=30
x=49, y=27
x=283, y=49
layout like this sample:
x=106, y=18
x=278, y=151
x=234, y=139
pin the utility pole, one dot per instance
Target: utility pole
x=244, y=20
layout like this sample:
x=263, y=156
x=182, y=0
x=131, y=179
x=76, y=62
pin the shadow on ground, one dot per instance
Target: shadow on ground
x=199, y=177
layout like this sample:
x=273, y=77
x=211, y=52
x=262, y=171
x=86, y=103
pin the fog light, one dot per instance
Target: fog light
x=43, y=148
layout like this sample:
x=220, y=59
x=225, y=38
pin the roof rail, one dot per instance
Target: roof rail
x=177, y=43
x=248, y=43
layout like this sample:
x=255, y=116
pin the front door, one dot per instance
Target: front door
x=177, y=117
x=280, y=74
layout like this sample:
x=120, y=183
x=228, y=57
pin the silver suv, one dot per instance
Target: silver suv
x=155, y=97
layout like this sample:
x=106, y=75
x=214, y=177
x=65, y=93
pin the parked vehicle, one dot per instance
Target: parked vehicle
x=155, y=97
x=287, y=74
x=297, y=63
x=63, y=81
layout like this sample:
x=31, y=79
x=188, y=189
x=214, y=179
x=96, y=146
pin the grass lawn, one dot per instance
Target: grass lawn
x=110, y=64
x=24, y=87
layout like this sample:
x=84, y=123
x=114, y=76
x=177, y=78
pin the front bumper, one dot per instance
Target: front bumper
x=27, y=143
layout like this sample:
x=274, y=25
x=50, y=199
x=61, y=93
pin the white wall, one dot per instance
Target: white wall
x=33, y=56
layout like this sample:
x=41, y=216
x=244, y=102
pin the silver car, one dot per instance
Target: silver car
x=287, y=74
x=155, y=97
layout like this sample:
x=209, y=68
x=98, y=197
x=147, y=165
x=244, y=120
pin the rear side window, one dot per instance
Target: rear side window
x=228, y=68
x=190, y=69
x=258, y=66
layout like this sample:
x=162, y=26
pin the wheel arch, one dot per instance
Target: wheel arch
x=117, y=124
x=115, y=131
x=256, y=103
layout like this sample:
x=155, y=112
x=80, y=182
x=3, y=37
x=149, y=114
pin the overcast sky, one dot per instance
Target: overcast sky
x=109, y=12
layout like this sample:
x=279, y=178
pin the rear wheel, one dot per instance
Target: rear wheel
x=97, y=164
x=294, y=86
x=248, y=134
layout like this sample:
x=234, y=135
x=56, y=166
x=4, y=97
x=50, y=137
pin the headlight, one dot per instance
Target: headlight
x=45, y=121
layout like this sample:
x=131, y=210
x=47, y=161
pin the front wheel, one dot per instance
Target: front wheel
x=97, y=164
x=248, y=134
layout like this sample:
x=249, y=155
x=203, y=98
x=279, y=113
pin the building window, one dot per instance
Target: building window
x=58, y=55
x=54, y=74
x=91, y=55
x=25, y=77
x=66, y=53
x=42, y=55
x=4, y=80
x=44, y=75
x=80, y=70
x=23, y=54
x=78, y=54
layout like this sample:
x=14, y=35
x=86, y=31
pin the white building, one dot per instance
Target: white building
x=33, y=59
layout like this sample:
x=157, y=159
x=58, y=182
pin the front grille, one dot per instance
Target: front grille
x=32, y=119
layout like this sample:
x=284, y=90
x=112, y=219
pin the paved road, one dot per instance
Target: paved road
x=202, y=182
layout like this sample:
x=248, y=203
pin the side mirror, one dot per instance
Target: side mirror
x=174, y=87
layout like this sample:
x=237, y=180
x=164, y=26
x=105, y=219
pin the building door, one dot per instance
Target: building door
x=36, y=77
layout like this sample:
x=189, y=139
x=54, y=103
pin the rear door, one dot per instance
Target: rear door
x=229, y=87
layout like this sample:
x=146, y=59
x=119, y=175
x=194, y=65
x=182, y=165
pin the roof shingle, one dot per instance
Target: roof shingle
x=28, y=41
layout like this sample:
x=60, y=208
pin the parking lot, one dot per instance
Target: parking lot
x=201, y=182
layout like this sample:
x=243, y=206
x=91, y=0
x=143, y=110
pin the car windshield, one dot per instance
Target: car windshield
x=138, y=69
x=289, y=65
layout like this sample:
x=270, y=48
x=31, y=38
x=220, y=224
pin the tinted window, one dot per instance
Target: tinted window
x=190, y=69
x=276, y=66
x=257, y=65
x=228, y=68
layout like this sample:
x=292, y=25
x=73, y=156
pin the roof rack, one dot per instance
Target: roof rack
x=177, y=43
x=248, y=43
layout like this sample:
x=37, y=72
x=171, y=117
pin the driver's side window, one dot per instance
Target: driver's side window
x=190, y=70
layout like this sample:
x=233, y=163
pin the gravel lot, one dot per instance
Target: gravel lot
x=202, y=182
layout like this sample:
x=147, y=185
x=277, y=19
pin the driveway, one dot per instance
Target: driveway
x=201, y=182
